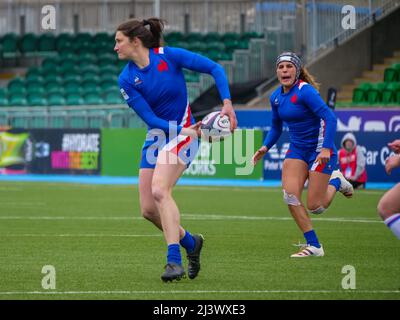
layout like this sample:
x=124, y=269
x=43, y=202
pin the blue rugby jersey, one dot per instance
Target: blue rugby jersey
x=312, y=125
x=158, y=94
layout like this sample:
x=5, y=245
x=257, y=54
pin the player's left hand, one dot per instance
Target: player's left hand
x=324, y=156
x=391, y=163
x=227, y=109
x=395, y=146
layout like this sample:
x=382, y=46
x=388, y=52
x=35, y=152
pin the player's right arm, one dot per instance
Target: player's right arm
x=136, y=101
x=272, y=137
x=196, y=62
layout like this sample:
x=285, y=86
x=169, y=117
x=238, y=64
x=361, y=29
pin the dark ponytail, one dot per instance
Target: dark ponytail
x=149, y=31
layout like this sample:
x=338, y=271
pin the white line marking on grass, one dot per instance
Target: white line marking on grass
x=188, y=216
x=124, y=292
x=80, y=235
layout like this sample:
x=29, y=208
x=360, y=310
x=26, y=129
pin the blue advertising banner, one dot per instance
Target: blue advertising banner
x=373, y=145
x=355, y=120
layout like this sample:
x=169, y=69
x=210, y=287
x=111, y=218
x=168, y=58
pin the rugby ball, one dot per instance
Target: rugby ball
x=214, y=127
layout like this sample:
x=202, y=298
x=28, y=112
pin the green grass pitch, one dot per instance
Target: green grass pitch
x=101, y=247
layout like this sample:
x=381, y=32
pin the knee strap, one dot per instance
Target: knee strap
x=290, y=199
x=319, y=210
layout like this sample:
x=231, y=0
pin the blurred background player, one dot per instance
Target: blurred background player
x=153, y=85
x=389, y=205
x=352, y=161
x=312, y=154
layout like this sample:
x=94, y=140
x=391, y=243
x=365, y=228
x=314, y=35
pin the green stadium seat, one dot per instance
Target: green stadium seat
x=106, y=59
x=88, y=76
x=28, y=44
x=106, y=76
x=101, y=37
x=92, y=68
x=17, y=85
x=93, y=98
x=3, y=102
x=72, y=77
x=174, y=36
x=112, y=68
x=90, y=86
x=212, y=37
x=34, y=73
x=113, y=98
x=52, y=81
x=198, y=46
x=74, y=99
x=68, y=63
x=121, y=65
x=226, y=56
x=397, y=67
x=87, y=59
x=33, y=86
x=3, y=97
x=9, y=44
x=389, y=93
x=183, y=45
x=359, y=96
x=374, y=94
x=107, y=84
x=50, y=63
x=17, y=99
x=72, y=87
x=193, y=37
x=391, y=75
x=82, y=47
x=242, y=44
x=63, y=40
x=213, y=45
x=69, y=67
x=230, y=36
x=3, y=92
x=36, y=99
x=55, y=99
x=192, y=77
x=47, y=43
x=83, y=37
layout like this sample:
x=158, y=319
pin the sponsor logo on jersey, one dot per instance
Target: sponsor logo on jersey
x=137, y=81
x=126, y=97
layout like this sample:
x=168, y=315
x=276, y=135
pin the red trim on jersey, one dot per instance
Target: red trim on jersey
x=156, y=50
x=188, y=139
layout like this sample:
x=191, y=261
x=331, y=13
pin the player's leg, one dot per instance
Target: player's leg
x=147, y=204
x=294, y=175
x=389, y=209
x=324, y=182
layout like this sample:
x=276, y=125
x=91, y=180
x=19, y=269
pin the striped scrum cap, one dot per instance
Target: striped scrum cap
x=290, y=57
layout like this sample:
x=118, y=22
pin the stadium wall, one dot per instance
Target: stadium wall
x=349, y=60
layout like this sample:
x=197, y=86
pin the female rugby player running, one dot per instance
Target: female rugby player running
x=312, y=154
x=153, y=85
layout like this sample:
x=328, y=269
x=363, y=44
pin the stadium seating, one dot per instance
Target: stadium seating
x=386, y=93
x=81, y=71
